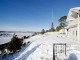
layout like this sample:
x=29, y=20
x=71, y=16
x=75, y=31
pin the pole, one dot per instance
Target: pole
x=52, y=14
x=53, y=51
x=65, y=49
x=78, y=28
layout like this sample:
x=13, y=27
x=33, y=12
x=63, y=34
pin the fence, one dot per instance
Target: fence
x=59, y=49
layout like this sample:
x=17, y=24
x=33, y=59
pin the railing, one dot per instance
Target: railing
x=72, y=23
x=58, y=50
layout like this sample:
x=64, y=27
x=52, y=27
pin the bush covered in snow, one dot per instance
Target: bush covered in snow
x=11, y=47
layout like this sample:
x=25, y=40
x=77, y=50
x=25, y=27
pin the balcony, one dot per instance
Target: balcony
x=72, y=23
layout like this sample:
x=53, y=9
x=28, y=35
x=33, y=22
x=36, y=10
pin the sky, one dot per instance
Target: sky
x=33, y=15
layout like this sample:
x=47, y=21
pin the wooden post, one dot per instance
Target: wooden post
x=65, y=48
x=53, y=51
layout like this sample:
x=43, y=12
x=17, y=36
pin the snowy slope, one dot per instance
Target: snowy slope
x=41, y=47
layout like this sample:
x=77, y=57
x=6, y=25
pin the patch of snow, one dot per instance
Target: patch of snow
x=4, y=40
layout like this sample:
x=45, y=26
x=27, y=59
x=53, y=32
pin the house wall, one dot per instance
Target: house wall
x=78, y=28
x=73, y=33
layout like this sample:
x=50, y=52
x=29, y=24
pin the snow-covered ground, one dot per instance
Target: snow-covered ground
x=6, y=38
x=41, y=48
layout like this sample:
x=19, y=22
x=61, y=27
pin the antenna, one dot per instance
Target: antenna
x=52, y=26
x=52, y=14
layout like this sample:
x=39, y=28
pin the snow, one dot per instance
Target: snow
x=44, y=51
x=41, y=47
x=4, y=40
x=7, y=38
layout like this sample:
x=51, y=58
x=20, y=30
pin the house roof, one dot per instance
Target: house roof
x=73, y=13
x=73, y=17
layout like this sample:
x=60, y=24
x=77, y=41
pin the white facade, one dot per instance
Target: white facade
x=73, y=20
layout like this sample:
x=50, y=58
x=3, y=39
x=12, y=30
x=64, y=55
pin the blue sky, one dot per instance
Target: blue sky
x=33, y=15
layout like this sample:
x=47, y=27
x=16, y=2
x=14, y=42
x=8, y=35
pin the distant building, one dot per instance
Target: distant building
x=63, y=30
x=73, y=20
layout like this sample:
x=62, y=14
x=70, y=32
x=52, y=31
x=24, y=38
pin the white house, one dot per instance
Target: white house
x=63, y=30
x=73, y=20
